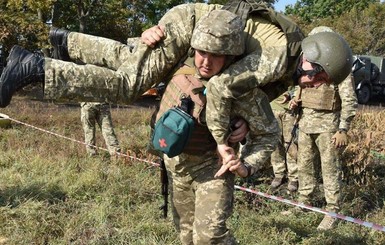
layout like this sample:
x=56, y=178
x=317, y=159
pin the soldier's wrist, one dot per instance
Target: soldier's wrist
x=249, y=168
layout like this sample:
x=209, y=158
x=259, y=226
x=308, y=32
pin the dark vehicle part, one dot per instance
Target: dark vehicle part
x=369, y=77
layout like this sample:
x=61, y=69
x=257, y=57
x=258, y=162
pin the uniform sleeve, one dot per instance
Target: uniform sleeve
x=218, y=113
x=179, y=14
x=348, y=102
x=148, y=66
x=265, y=61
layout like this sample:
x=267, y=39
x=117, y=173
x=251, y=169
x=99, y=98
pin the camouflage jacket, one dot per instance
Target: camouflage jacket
x=264, y=61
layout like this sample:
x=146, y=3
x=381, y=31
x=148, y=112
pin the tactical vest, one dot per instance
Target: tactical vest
x=324, y=97
x=184, y=85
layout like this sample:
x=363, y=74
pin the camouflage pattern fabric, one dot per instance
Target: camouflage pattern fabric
x=264, y=131
x=92, y=113
x=309, y=146
x=316, y=129
x=223, y=37
x=114, y=72
x=284, y=164
x=266, y=62
x=201, y=204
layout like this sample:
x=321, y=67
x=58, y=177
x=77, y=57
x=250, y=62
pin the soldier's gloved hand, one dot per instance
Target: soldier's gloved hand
x=340, y=138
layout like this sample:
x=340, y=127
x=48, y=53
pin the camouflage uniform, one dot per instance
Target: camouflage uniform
x=317, y=128
x=201, y=204
x=264, y=131
x=236, y=87
x=114, y=72
x=99, y=113
x=284, y=165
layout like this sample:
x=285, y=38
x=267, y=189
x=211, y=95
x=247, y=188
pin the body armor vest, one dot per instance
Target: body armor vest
x=184, y=85
x=325, y=97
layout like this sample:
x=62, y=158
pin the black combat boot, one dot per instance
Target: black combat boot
x=58, y=39
x=23, y=68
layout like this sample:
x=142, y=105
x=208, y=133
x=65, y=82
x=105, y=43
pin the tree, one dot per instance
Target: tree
x=114, y=19
x=23, y=22
x=364, y=29
x=311, y=10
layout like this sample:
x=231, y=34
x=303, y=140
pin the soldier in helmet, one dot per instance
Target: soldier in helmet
x=216, y=42
x=328, y=103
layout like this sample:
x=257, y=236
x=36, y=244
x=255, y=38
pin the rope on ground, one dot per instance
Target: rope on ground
x=272, y=197
x=318, y=210
x=83, y=143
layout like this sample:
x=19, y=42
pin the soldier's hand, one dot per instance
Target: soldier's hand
x=285, y=99
x=340, y=139
x=226, y=156
x=153, y=35
x=240, y=131
x=294, y=103
x=231, y=163
x=240, y=169
x=224, y=150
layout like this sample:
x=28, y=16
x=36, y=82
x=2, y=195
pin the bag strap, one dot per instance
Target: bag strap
x=186, y=70
x=186, y=104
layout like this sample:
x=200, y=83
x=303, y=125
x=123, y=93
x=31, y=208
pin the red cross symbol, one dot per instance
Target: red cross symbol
x=162, y=143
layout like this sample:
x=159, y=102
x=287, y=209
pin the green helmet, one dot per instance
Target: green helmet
x=219, y=32
x=331, y=52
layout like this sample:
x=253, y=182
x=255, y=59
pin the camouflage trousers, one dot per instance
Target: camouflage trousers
x=92, y=113
x=201, y=204
x=284, y=164
x=104, y=70
x=317, y=149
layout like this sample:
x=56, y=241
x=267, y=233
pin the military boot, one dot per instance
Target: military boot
x=327, y=223
x=58, y=39
x=23, y=68
x=277, y=182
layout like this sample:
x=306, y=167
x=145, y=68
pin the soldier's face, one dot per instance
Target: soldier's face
x=208, y=64
x=312, y=75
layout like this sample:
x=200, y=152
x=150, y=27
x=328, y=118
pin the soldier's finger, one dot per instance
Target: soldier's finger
x=222, y=170
x=159, y=32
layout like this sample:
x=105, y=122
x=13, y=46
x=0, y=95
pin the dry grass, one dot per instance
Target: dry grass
x=51, y=193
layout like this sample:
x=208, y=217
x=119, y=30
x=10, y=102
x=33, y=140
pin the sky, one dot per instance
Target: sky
x=280, y=5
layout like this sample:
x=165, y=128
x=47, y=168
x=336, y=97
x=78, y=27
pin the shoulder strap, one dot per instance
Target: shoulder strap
x=185, y=70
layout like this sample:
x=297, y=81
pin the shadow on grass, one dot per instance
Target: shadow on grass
x=16, y=195
x=310, y=233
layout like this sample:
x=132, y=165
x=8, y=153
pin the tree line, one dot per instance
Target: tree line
x=26, y=22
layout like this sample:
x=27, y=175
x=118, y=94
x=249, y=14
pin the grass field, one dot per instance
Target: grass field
x=52, y=193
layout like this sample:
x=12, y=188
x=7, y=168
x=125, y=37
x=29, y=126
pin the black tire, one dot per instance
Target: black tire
x=364, y=94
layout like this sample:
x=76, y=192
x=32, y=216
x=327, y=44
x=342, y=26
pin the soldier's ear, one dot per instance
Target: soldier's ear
x=191, y=52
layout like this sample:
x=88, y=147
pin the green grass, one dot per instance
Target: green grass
x=52, y=193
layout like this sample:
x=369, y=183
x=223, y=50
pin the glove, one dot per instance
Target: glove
x=340, y=138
